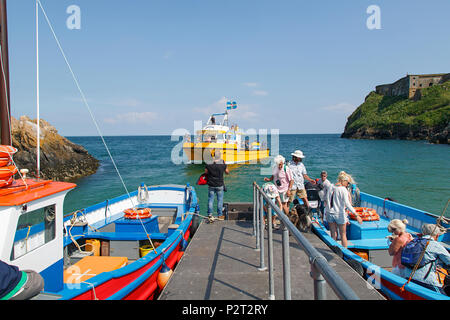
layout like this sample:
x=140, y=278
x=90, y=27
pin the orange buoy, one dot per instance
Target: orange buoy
x=7, y=151
x=135, y=213
x=366, y=214
x=164, y=275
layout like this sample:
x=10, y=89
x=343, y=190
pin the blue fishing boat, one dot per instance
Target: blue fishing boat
x=123, y=248
x=367, y=250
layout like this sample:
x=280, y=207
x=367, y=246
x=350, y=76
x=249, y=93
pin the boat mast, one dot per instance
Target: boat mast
x=5, y=111
x=38, y=120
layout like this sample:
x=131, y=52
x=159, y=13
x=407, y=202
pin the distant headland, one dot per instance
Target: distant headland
x=60, y=159
x=415, y=107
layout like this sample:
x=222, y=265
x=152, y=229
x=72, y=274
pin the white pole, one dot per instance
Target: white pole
x=38, y=133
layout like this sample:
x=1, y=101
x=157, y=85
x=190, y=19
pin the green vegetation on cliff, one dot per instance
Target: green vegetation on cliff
x=384, y=117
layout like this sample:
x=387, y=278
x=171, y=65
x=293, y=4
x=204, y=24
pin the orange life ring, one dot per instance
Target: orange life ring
x=7, y=151
x=366, y=214
x=5, y=183
x=7, y=172
x=5, y=162
x=134, y=213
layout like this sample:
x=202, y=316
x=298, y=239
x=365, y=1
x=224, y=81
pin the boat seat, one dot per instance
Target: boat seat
x=368, y=230
x=91, y=266
x=373, y=244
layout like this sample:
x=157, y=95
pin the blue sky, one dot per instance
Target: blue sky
x=152, y=66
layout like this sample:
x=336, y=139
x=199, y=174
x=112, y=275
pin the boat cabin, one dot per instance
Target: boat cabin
x=31, y=227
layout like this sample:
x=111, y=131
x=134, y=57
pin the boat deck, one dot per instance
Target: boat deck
x=221, y=263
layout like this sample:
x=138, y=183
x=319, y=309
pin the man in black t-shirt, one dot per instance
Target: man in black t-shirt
x=214, y=173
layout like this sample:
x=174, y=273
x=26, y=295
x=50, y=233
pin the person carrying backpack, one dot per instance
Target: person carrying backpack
x=435, y=253
x=399, y=238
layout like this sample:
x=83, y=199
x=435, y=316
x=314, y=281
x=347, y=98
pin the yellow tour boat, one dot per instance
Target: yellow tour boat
x=233, y=144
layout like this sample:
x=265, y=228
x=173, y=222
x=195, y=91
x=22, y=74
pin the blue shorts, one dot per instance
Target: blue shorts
x=336, y=218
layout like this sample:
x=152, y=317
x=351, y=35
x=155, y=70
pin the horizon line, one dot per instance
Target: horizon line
x=168, y=135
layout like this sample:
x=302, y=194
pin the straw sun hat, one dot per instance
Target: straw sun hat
x=298, y=154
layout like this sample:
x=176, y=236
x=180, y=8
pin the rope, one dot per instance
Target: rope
x=416, y=266
x=83, y=97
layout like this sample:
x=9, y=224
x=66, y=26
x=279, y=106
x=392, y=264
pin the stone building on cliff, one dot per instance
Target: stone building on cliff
x=410, y=85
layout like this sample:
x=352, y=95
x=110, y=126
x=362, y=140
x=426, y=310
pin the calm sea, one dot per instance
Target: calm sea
x=414, y=173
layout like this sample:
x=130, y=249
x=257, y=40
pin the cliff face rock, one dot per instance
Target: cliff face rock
x=387, y=117
x=60, y=159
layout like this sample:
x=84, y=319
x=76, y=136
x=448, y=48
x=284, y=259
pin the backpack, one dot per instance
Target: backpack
x=412, y=251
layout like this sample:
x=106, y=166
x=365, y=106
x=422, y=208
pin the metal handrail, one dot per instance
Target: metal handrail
x=321, y=271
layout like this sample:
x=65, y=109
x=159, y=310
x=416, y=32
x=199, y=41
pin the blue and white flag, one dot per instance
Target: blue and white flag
x=228, y=105
x=234, y=105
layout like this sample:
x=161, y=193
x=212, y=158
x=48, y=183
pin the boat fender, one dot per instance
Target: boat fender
x=183, y=247
x=356, y=266
x=338, y=251
x=164, y=275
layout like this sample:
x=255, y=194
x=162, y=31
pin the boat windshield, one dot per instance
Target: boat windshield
x=213, y=137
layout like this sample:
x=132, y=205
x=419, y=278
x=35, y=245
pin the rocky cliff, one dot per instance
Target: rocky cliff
x=60, y=159
x=386, y=117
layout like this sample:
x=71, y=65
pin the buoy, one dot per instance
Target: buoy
x=164, y=275
x=184, y=244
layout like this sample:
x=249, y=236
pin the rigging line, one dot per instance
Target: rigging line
x=83, y=97
x=8, y=112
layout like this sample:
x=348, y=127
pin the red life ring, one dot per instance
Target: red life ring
x=366, y=214
x=134, y=213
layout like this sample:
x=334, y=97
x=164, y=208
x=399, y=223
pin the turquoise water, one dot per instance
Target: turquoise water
x=414, y=173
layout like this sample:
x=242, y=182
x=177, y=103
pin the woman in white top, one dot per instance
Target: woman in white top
x=324, y=186
x=338, y=201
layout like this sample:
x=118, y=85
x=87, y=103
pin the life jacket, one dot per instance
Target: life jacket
x=202, y=180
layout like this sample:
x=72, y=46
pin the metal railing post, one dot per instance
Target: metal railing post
x=270, y=248
x=320, y=289
x=321, y=271
x=254, y=210
x=256, y=219
x=286, y=264
x=262, y=266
